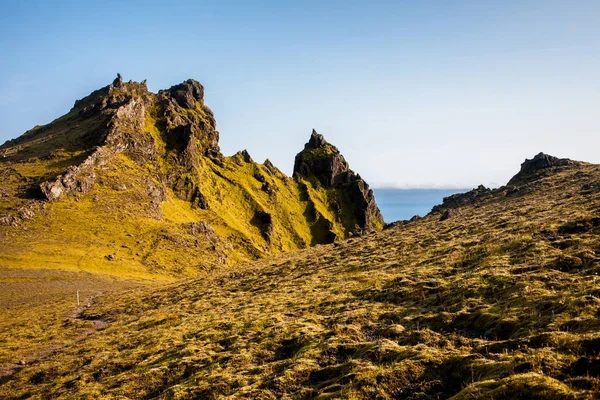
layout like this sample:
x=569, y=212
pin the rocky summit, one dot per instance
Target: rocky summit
x=323, y=164
x=122, y=182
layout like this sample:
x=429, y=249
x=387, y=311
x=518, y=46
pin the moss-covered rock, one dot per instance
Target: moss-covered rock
x=125, y=161
x=352, y=202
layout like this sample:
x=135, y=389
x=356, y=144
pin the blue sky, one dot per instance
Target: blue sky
x=414, y=93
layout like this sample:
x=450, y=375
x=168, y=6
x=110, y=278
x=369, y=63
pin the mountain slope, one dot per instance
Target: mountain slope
x=497, y=298
x=133, y=183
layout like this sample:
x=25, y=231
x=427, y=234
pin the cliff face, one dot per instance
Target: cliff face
x=143, y=175
x=323, y=166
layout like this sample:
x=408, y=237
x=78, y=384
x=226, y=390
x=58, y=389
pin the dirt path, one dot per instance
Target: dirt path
x=8, y=370
x=39, y=316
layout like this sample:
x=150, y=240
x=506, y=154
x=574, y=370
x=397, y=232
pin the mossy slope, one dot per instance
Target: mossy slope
x=133, y=183
x=499, y=300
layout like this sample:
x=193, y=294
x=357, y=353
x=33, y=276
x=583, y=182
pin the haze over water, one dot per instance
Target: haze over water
x=402, y=204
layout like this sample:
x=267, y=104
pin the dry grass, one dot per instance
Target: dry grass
x=39, y=312
x=500, y=301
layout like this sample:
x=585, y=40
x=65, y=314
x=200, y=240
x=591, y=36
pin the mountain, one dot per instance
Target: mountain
x=133, y=183
x=493, y=295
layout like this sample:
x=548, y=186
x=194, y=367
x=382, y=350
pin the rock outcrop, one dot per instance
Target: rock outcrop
x=540, y=163
x=323, y=161
x=194, y=132
x=322, y=164
x=523, y=182
x=462, y=199
x=125, y=159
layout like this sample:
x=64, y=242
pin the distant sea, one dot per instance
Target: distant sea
x=398, y=204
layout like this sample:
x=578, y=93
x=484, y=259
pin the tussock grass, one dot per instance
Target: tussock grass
x=500, y=301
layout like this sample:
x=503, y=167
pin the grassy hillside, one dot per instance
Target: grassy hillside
x=497, y=299
x=133, y=184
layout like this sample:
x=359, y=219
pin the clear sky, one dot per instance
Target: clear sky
x=414, y=93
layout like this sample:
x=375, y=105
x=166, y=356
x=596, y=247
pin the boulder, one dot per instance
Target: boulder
x=118, y=82
x=449, y=213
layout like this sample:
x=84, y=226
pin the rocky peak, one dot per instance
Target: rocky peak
x=110, y=98
x=186, y=94
x=540, y=162
x=118, y=82
x=316, y=141
x=322, y=162
x=186, y=116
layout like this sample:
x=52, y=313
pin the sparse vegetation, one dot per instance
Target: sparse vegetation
x=498, y=301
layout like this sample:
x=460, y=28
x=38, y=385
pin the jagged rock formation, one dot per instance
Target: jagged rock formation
x=523, y=182
x=541, y=162
x=125, y=160
x=322, y=164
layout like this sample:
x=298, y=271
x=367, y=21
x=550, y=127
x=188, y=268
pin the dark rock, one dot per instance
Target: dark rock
x=316, y=140
x=415, y=218
x=186, y=94
x=76, y=179
x=449, y=213
x=272, y=169
x=157, y=194
x=242, y=157
x=541, y=161
x=394, y=224
x=323, y=163
x=463, y=199
x=259, y=177
x=268, y=188
x=191, y=134
x=111, y=257
x=124, y=111
x=264, y=222
x=203, y=229
x=118, y=82
x=530, y=168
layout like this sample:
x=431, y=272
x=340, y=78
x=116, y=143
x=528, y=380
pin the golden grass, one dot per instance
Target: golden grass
x=500, y=301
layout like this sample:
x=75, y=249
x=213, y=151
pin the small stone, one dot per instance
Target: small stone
x=118, y=82
x=449, y=213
